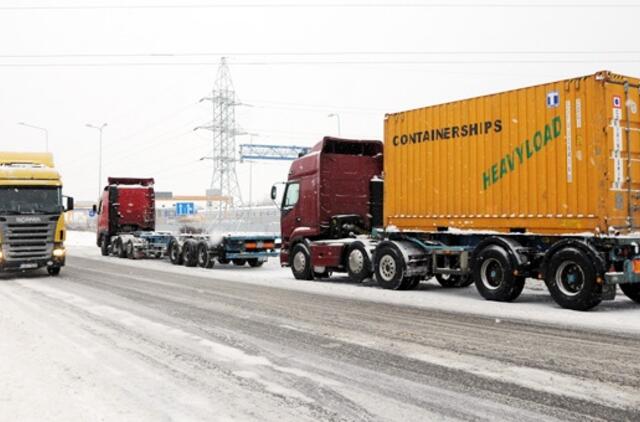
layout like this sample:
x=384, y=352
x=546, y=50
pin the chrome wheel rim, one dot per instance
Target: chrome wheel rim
x=356, y=261
x=570, y=278
x=387, y=267
x=492, y=273
x=299, y=262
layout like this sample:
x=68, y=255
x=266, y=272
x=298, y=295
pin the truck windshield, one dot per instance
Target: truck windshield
x=30, y=200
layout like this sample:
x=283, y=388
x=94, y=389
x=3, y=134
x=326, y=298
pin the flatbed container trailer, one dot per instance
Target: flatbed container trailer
x=126, y=228
x=540, y=182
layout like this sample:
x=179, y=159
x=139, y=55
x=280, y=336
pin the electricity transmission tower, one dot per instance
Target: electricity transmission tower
x=224, y=190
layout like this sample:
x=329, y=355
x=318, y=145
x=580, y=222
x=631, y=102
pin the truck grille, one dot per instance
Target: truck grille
x=25, y=242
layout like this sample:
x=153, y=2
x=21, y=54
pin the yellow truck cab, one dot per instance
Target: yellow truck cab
x=32, y=225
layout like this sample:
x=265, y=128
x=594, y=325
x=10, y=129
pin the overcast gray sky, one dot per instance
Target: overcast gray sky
x=67, y=63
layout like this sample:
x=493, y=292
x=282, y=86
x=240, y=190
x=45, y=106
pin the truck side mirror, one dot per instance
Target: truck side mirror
x=94, y=209
x=274, y=192
x=69, y=206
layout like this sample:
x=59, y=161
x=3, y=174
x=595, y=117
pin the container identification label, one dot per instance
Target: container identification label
x=618, y=168
x=569, y=140
x=522, y=153
x=553, y=99
x=617, y=101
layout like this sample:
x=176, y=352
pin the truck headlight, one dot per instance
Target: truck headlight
x=59, y=252
x=1, y=254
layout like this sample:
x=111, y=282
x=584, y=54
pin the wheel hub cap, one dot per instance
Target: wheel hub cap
x=492, y=273
x=570, y=278
x=387, y=267
x=299, y=262
x=356, y=261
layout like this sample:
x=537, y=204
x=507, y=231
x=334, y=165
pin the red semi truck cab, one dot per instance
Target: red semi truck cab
x=127, y=205
x=328, y=196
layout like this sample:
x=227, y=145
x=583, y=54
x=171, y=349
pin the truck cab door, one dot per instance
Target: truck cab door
x=290, y=218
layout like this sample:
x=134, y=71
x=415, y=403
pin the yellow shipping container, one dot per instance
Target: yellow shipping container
x=562, y=157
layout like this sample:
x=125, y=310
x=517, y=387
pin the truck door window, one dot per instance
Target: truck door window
x=291, y=196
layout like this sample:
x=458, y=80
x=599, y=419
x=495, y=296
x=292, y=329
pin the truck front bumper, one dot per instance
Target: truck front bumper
x=31, y=264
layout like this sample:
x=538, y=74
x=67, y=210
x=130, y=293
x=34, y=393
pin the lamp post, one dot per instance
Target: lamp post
x=99, y=129
x=337, y=116
x=45, y=130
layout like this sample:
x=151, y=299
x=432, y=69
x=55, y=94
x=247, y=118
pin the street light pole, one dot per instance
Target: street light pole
x=99, y=129
x=45, y=130
x=337, y=116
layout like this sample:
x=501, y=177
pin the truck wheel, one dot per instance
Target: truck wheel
x=204, y=259
x=493, y=275
x=255, y=263
x=129, y=250
x=300, y=262
x=174, y=252
x=571, y=280
x=358, y=263
x=454, y=280
x=189, y=254
x=239, y=262
x=104, y=246
x=122, y=253
x=632, y=291
x=53, y=271
x=390, y=267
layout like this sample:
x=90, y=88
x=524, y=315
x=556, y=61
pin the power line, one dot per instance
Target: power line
x=352, y=5
x=316, y=54
x=316, y=63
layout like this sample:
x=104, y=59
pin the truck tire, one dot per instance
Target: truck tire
x=223, y=261
x=454, y=280
x=104, y=245
x=358, y=263
x=571, y=280
x=189, y=253
x=493, y=275
x=390, y=268
x=632, y=291
x=129, y=250
x=175, y=255
x=53, y=271
x=121, y=252
x=204, y=258
x=300, y=262
x=255, y=263
x=239, y=262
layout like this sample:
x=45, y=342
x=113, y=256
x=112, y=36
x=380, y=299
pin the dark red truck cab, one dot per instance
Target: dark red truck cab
x=327, y=202
x=127, y=205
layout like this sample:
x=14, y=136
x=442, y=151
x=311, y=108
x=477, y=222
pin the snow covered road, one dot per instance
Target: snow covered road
x=120, y=340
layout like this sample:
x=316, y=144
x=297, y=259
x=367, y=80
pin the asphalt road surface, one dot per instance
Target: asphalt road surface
x=111, y=342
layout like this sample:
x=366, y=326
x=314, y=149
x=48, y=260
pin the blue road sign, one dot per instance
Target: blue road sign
x=185, y=208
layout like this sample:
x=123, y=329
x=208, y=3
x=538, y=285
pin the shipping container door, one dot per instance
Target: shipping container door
x=622, y=100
